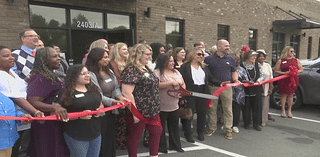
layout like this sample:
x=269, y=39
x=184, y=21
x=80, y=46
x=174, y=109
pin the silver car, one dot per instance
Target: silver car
x=308, y=91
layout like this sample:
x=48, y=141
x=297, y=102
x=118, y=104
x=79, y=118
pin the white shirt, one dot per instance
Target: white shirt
x=198, y=75
x=14, y=87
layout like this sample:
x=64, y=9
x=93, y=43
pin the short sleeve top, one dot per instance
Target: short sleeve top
x=39, y=86
x=168, y=103
x=79, y=129
x=146, y=91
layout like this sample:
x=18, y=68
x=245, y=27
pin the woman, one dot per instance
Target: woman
x=253, y=94
x=170, y=78
x=157, y=49
x=42, y=89
x=118, y=63
x=8, y=130
x=286, y=60
x=196, y=76
x=178, y=55
x=12, y=86
x=82, y=134
x=238, y=93
x=95, y=44
x=106, y=81
x=266, y=88
x=141, y=87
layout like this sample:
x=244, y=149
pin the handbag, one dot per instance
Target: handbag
x=185, y=112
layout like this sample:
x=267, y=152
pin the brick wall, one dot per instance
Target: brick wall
x=201, y=18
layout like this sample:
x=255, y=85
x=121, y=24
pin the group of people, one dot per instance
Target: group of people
x=144, y=75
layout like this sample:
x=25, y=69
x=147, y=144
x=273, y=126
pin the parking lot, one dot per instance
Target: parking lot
x=299, y=136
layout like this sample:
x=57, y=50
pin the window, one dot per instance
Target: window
x=43, y=16
x=295, y=43
x=309, y=47
x=118, y=22
x=223, y=32
x=174, y=32
x=277, y=46
x=253, y=39
x=86, y=19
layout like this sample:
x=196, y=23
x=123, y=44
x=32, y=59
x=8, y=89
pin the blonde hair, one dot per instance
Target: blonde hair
x=97, y=44
x=116, y=56
x=193, y=52
x=285, y=52
x=136, y=54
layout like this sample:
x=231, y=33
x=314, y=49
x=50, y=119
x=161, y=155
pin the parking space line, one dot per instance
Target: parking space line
x=198, y=146
x=305, y=119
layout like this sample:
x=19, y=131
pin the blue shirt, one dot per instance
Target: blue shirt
x=8, y=128
x=221, y=68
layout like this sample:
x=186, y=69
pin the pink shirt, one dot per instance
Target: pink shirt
x=168, y=103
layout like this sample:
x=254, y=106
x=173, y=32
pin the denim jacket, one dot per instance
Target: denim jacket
x=8, y=128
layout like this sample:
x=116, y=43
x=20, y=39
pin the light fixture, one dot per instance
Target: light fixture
x=304, y=34
x=148, y=12
x=271, y=30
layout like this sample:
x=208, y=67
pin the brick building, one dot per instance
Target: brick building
x=73, y=24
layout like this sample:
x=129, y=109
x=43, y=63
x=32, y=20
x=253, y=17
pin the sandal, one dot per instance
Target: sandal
x=290, y=115
x=283, y=115
x=270, y=118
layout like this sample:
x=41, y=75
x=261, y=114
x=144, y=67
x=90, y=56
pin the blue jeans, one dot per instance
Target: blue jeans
x=83, y=148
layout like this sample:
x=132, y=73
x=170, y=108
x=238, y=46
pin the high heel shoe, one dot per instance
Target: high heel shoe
x=290, y=115
x=283, y=114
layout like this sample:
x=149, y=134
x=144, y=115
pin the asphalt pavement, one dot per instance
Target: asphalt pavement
x=286, y=137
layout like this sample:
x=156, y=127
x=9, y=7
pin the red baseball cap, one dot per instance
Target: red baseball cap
x=245, y=48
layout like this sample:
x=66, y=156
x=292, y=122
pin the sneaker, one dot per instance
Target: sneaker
x=228, y=135
x=222, y=127
x=235, y=129
x=209, y=132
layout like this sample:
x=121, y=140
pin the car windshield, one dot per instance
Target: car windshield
x=316, y=58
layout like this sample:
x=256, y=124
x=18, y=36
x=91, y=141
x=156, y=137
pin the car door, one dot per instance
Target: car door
x=310, y=81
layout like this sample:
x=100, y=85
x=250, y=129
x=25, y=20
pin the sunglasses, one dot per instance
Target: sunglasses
x=292, y=51
x=200, y=54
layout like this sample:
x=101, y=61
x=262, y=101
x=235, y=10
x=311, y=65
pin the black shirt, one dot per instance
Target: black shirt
x=80, y=129
x=221, y=68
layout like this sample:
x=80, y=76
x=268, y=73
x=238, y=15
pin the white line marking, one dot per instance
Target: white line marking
x=198, y=146
x=305, y=119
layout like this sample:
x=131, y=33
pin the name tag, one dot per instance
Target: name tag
x=79, y=95
x=228, y=63
x=108, y=80
x=284, y=62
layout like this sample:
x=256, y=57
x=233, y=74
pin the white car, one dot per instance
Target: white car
x=307, y=62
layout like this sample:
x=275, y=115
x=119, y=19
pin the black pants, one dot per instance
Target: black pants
x=253, y=103
x=172, y=120
x=22, y=141
x=236, y=108
x=108, y=135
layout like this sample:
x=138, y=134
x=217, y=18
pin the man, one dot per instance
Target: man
x=24, y=57
x=223, y=68
x=40, y=45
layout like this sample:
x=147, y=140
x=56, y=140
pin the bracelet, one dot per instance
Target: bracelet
x=35, y=114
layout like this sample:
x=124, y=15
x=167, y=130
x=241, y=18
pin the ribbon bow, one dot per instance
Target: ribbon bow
x=293, y=74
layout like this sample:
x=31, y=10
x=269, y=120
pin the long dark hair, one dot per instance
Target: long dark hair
x=94, y=57
x=162, y=61
x=70, y=84
x=42, y=65
x=155, y=50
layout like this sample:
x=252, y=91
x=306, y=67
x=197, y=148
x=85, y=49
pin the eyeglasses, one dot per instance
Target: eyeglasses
x=200, y=54
x=33, y=36
x=148, y=54
x=85, y=73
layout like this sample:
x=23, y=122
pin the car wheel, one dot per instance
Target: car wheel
x=276, y=96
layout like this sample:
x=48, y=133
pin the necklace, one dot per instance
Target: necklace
x=250, y=67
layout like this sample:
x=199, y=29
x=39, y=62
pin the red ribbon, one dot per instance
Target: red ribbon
x=73, y=115
x=221, y=89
